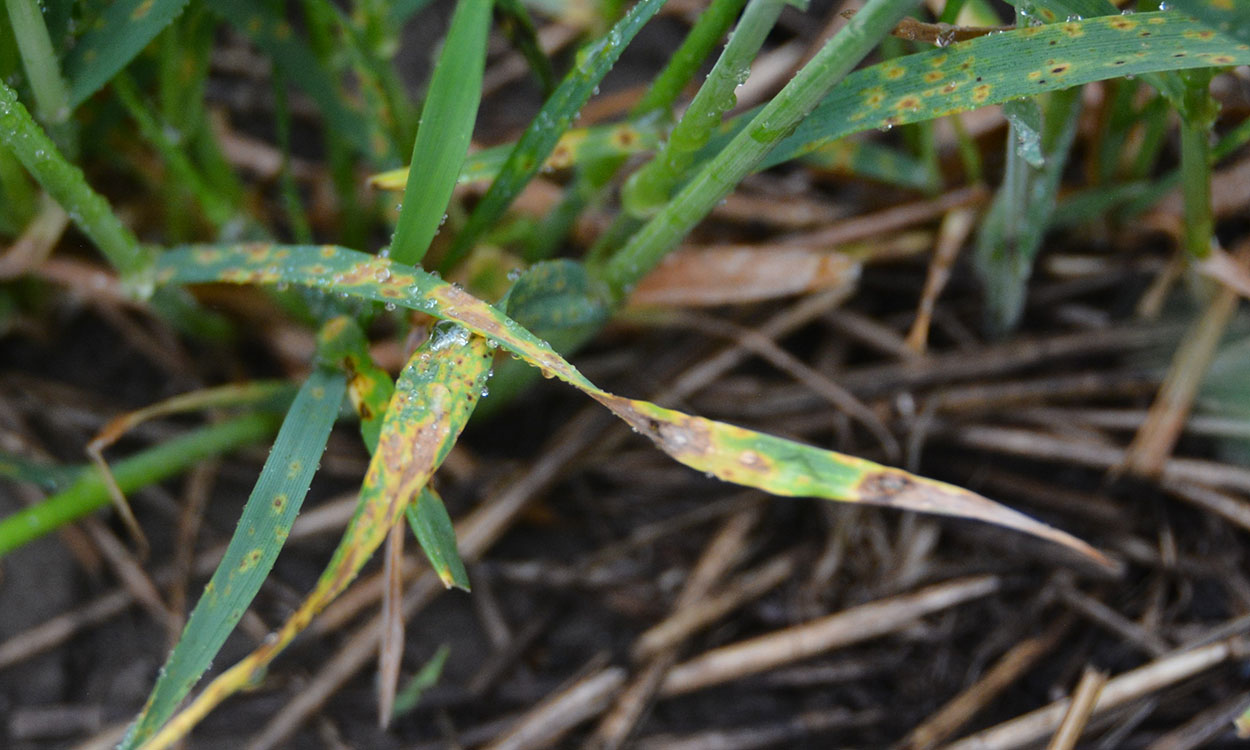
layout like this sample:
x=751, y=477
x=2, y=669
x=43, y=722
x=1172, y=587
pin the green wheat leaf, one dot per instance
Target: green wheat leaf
x=432, y=526
x=1230, y=17
x=1000, y=67
x=262, y=530
x=447, y=119
x=592, y=63
x=115, y=38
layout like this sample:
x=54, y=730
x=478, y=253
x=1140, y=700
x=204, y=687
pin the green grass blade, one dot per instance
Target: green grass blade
x=262, y=530
x=119, y=34
x=557, y=114
x=410, y=696
x=649, y=188
x=48, y=476
x=1011, y=234
x=682, y=67
x=42, y=70
x=218, y=208
x=446, y=127
x=852, y=158
x=89, y=493
x=67, y=185
x=577, y=146
x=1231, y=17
x=1000, y=67
x=733, y=454
x=520, y=30
x=432, y=526
x=433, y=399
x=273, y=34
x=747, y=149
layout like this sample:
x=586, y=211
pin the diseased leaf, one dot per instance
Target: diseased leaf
x=262, y=530
x=732, y=453
x=1230, y=17
x=118, y=35
x=433, y=398
x=1000, y=67
x=557, y=301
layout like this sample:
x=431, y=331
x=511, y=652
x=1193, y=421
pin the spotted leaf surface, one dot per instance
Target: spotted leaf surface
x=1000, y=67
x=262, y=530
x=576, y=146
x=779, y=466
x=1230, y=17
x=118, y=35
x=342, y=345
x=433, y=398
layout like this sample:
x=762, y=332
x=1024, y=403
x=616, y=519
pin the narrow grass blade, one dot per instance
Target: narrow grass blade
x=67, y=185
x=447, y=119
x=577, y=146
x=852, y=158
x=1001, y=67
x=433, y=399
x=48, y=476
x=38, y=59
x=427, y=678
x=1012, y=232
x=273, y=34
x=520, y=30
x=119, y=34
x=649, y=188
x=747, y=149
x=88, y=492
x=731, y=453
x=1230, y=17
x=557, y=114
x=434, y=531
x=262, y=530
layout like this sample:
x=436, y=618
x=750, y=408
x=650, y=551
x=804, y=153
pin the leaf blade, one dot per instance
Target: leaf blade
x=267, y=517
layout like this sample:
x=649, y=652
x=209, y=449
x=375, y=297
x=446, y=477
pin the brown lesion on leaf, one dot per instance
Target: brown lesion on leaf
x=624, y=137
x=891, y=488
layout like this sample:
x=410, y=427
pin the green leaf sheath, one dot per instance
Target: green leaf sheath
x=89, y=493
x=38, y=59
x=67, y=185
x=267, y=517
x=650, y=187
x=592, y=63
x=446, y=128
